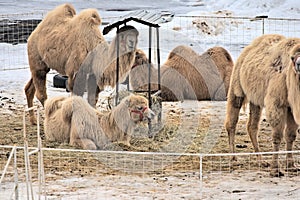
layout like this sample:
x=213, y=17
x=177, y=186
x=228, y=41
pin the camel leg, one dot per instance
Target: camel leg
x=39, y=81
x=277, y=138
x=290, y=137
x=252, y=125
x=77, y=140
x=276, y=116
x=30, y=91
x=234, y=105
x=86, y=144
x=70, y=85
x=92, y=90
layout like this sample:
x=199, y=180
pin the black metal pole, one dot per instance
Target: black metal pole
x=149, y=80
x=117, y=68
x=158, y=72
x=149, y=66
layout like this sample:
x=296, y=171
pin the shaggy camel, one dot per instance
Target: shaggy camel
x=267, y=75
x=187, y=75
x=72, y=120
x=99, y=68
x=138, y=76
x=60, y=42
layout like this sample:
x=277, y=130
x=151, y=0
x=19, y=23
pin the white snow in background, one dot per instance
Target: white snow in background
x=12, y=82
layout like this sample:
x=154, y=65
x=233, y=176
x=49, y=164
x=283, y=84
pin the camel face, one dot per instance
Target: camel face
x=138, y=108
x=140, y=58
x=128, y=40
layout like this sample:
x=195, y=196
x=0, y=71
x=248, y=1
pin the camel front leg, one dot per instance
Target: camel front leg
x=290, y=137
x=39, y=81
x=77, y=139
x=252, y=126
x=30, y=91
x=234, y=105
x=277, y=138
x=92, y=90
x=86, y=144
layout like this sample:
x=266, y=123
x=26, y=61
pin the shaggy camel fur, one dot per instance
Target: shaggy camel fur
x=267, y=75
x=188, y=75
x=99, y=68
x=138, y=76
x=72, y=120
x=60, y=42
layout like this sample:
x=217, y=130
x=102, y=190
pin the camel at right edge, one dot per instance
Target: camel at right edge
x=267, y=74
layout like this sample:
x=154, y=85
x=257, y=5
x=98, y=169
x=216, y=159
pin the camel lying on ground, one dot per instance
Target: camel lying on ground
x=61, y=42
x=186, y=74
x=72, y=120
x=99, y=68
x=267, y=74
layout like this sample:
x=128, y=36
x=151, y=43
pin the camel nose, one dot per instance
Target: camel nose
x=131, y=44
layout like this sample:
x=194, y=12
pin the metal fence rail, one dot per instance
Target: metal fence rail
x=201, y=32
x=70, y=165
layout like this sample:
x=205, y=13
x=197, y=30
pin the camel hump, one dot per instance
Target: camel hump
x=220, y=51
x=53, y=104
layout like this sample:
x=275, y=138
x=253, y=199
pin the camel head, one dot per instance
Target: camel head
x=296, y=62
x=138, y=108
x=128, y=36
x=140, y=58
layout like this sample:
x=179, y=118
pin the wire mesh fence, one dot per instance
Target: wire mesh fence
x=201, y=32
x=79, y=174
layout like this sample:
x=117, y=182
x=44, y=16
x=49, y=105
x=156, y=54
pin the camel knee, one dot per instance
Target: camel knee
x=83, y=143
x=277, y=138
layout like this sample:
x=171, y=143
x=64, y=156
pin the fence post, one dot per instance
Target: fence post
x=16, y=176
x=201, y=174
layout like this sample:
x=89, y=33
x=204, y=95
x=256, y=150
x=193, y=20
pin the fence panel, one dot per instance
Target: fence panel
x=201, y=32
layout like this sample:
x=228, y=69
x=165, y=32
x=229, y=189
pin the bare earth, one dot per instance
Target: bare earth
x=188, y=127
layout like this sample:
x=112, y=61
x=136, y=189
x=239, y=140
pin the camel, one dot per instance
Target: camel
x=72, y=120
x=99, y=68
x=138, y=76
x=186, y=74
x=60, y=42
x=267, y=75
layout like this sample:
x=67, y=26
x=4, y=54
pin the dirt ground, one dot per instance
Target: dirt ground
x=187, y=127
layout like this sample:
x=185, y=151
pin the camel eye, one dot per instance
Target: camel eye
x=94, y=16
x=140, y=108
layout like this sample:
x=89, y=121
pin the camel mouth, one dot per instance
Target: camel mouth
x=131, y=48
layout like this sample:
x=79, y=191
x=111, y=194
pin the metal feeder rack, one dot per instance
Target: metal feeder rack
x=152, y=20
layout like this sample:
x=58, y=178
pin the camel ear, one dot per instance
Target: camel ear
x=127, y=102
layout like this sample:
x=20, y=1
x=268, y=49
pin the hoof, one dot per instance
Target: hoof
x=292, y=169
x=33, y=121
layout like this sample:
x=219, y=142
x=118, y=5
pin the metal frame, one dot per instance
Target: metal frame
x=151, y=20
